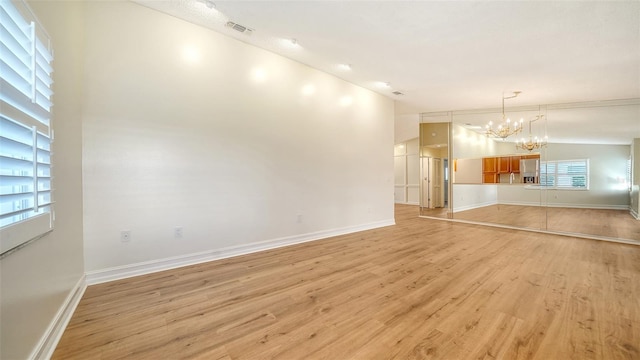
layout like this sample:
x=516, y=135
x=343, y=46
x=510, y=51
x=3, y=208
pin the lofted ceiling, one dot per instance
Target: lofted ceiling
x=453, y=55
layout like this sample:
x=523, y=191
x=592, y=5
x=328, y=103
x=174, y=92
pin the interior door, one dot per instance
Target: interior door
x=433, y=183
x=437, y=182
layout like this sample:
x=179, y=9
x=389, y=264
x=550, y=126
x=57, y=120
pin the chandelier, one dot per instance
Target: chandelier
x=534, y=142
x=504, y=129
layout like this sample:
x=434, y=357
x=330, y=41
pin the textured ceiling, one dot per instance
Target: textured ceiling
x=450, y=55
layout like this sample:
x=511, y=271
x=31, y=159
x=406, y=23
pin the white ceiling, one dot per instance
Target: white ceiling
x=453, y=55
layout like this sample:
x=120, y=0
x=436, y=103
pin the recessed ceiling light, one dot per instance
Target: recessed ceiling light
x=210, y=4
x=344, y=67
x=383, y=85
x=290, y=43
x=397, y=93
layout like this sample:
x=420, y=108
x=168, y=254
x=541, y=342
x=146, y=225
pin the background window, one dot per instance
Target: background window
x=565, y=174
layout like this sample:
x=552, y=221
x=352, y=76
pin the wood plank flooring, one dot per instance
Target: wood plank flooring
x=422, y=289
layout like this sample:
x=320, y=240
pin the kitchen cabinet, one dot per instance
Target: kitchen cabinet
x=488, y=164
x=504, y=165
x=489, y=170
x=489, y=178
x=495, y=169
x=515, y=163
x=508, y=164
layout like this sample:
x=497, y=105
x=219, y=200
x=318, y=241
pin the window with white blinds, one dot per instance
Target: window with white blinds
x=565, y=174
x=25, y=133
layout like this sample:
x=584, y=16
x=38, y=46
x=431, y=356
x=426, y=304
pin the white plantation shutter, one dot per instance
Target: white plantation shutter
x=572, y=174
x=547, y=174
x=565, y=174
x=628, y=176
x=25, y=119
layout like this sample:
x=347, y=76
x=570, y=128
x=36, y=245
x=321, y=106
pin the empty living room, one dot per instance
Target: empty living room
x=199, y=179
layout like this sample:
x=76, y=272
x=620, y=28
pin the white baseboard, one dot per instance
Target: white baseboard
x=47, y=344
x=591, y=206
x=407, y=202
x=474, y=206
x=569, y=205
x=520, y=203
x=552, y=205
x=634, y=214
x=147, y=267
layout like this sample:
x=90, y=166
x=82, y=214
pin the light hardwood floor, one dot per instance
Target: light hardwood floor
x=422, y=289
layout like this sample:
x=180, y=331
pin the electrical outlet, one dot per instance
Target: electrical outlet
x=125, y=235
x=177, y=232
x=299, y=219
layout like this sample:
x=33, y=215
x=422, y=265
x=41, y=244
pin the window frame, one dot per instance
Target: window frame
x=556, y=174
x=26, y=189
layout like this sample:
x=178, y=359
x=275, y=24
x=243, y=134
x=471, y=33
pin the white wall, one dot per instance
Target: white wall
x=406, y=127
x=467, y=171
x=206, y=146
x=37, y=279
x=470, y=144
x=607, y=168
x=471, y=196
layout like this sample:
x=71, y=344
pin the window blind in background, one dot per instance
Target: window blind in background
x=565, y=174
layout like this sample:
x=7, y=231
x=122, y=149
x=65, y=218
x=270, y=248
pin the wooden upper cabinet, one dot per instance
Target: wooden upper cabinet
x=509, y=164
x=504, y=165
x=515, y=164
x=492, y=167
x=489, y=165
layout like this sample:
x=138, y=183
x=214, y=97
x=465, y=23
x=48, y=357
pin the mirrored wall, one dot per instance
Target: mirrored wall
x=562, y=168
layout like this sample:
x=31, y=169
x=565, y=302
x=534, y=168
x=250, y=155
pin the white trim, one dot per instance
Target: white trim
x=48, y=342
x=590, y=206
x=147, y=267
x=474, y=206
x=19, y=233
x=569, y=205
x=634, y=213
x=522, y=203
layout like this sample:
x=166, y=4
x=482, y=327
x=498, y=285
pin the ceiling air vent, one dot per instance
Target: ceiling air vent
x=239, y=28
x=397, y=93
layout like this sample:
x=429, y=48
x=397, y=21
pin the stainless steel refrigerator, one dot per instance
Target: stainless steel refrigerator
x=530, y=171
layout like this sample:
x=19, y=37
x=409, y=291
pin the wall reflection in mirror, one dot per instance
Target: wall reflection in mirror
x=434, y=169
x=570, y=168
